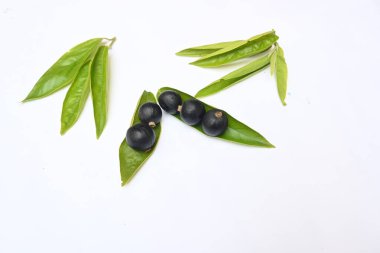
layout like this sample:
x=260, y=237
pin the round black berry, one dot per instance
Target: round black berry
x=192, y=111
x=169, y=101
x=150, y=113
x=140, y=137
x=214, y=122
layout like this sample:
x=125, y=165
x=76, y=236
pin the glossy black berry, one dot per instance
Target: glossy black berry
x=150, y=113
x=169, y=101
x=140, y=137
x=214, y=122
x=192, y=111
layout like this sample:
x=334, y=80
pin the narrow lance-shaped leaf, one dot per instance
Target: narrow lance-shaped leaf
x=253, y=46
x=234, y=77
x=76, y=98
x=273, y=58
x=99, y=88
x=131, y=160
x=281, y=75
x=207, y=49
x=64, y=71
x=236, y=131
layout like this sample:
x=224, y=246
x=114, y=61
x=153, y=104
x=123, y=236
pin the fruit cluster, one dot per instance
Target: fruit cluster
x=141, y=136
x=192, y=112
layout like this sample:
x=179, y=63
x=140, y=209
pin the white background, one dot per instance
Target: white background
x=318, y=191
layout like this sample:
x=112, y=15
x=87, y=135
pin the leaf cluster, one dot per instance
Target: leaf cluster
x=264, y=46
x=84, y=69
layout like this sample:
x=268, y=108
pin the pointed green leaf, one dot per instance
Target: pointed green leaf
x=207, y=49
x=76, y=98
x=131, y=160
x=258, y=36
x=64, y=71
x=234, y=77
x=281, y=75
x=99, y=88
x=236, y=132
x=273, y=58
x=253, y=46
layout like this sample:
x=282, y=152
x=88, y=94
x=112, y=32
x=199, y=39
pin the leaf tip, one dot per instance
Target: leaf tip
x=65, y=126
x=198, y=63
x=27, y=99
x=63, y=131
x=266, y=144
x=98, y=134
x=201, y=94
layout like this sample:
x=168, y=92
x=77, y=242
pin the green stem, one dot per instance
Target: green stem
x=110, y=41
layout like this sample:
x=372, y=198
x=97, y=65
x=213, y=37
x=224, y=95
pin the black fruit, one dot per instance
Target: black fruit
x=169, y=101
x=214, y=122
x=150, y=113
x=141, y=137
x=192, y=111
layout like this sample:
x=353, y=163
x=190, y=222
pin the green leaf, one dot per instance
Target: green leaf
x=131, y=160
x=64, y=71
x=99, y=88
x=281, y=75
x=76, y=98
x=236, y=132
x=253, y=46
x=258, y=36
x=234, y=77
x=273, y=58
x=207, y=49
